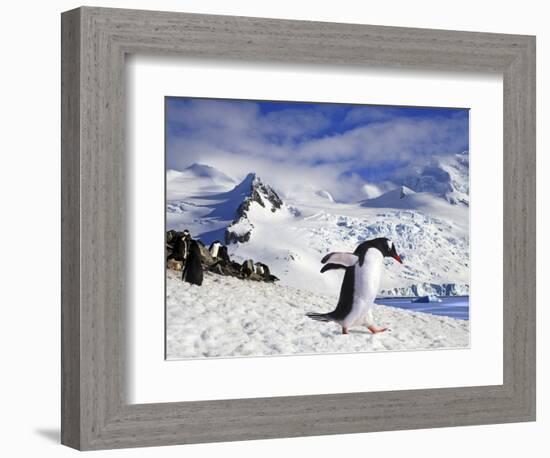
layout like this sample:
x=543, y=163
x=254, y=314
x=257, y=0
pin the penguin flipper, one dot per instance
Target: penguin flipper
x=332, y=267
x=342, y=259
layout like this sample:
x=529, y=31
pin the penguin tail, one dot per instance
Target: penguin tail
x=319, y=316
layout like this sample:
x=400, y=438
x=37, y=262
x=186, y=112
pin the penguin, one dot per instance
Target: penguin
x=260, y=269
x=215, y=248
x=247, y=267
x=363, y=270
x=180, y=243
x=223, y=255
x=263, y=271
x=192, y=272
x=170, y=235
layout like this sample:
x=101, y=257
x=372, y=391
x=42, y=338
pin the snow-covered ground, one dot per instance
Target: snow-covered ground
x=227, y=316
x=426, y=215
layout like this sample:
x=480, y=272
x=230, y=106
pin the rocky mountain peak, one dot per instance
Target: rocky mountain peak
x=254, y=191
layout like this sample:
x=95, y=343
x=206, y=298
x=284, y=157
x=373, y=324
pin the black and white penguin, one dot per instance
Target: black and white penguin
x=215, y=248
x=247, y=267
x=263, y=271
x=180, y=242
x=223, y=255
x=260, y=269
x=192, y=271
x=361, y=283
x=170, y=235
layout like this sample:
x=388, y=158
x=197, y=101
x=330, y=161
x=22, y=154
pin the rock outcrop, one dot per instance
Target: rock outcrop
x=177, y=248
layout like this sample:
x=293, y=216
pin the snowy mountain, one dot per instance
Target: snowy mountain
x=324, y=195
x=259, y=199
x=197, y=178
x=291, y=236
x=446, y=176
x=401, y=197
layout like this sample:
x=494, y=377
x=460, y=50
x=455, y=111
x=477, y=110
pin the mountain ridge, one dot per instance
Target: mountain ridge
x=293, y=234
x=446, y=176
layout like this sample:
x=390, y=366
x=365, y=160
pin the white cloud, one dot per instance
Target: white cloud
x=291, y=147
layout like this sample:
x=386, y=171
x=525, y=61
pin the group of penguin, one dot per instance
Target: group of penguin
x=190, y=252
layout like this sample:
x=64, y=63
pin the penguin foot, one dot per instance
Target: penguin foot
x=375, y=329
x=344, y=330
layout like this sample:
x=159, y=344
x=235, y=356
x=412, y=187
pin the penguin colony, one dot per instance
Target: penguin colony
x=192, y=257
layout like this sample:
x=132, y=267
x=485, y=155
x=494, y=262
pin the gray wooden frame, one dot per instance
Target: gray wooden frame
x=95, y=413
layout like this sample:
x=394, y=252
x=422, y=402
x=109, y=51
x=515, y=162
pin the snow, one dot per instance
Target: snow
x=434, y=251
x=203, y=206
x=227, y=316
x=196, y=179
x=325, y=195
x=446, y=176
x=430, y=232
x=371, y=191
x=242, y=226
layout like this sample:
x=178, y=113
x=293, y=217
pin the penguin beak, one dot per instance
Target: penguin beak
x=397, y=258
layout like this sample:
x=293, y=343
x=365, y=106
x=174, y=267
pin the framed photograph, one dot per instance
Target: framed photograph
x=259, y=209
x=279, y=228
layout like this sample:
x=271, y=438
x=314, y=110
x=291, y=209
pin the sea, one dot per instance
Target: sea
x=451, y=306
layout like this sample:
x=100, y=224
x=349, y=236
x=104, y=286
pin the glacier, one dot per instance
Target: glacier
x=426, y=214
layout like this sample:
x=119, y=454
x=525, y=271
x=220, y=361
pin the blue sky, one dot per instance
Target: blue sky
x=339, y=147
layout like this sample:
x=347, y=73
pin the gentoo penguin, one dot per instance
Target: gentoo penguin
x=263, y=270
x=181, y=246
x=247, y=267
x=361, y=283
x=260, y=268
x=192, y=272
x=223, y=255
x=170, y=235
x=214, y=248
